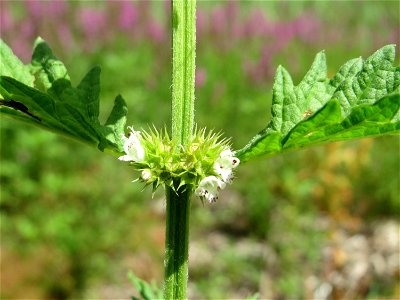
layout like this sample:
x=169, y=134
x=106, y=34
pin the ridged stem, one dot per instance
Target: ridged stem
x=177, y=244
x=183, y=69
x=178, y=202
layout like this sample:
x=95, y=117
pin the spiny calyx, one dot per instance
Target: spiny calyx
x=205, y=166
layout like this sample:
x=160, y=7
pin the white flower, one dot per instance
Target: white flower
x=146, y=174
x=209, y=188
x=132, y=147
x=224, y=164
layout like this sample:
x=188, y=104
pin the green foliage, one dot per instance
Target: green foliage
x=61, y=200
x=13, y=67
x=147, y=291
x=361, y=100
x=41, y=94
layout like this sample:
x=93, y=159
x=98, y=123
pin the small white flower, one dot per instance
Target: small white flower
x=224, y=164
x=209, y=188
x=132, y=147
x=146, y=174
x=225, y=174
x=226, y=153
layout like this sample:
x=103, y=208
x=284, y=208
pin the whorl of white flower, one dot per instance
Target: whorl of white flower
x=209, y=188
x=224, y=165
x=132, y=147
x=205, y=165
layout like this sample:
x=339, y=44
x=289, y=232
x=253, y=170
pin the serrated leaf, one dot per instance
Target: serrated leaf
x=289, y=102
x=361, y=100
x=377, y=78
x=53, y=103
x=45, y=66
x=328, y=125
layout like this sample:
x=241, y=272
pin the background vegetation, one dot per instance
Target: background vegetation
x=320, y=223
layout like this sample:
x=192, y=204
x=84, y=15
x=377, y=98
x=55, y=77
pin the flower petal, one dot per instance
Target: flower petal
x=125, y=158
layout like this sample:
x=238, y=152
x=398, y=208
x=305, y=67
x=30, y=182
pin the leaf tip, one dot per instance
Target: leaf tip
x=38, y=41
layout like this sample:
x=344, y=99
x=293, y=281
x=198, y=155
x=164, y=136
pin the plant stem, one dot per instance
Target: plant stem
x=183, y=69
x=177, y=244
x=178, y=202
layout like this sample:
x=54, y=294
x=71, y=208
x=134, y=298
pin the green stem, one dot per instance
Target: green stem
x=176, y=244
x=183, y=69
x=178, y=202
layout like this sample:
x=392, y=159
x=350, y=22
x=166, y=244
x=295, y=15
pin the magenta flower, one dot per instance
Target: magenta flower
x=257, y=25
x=65, y=35
x=307, y=27
x=27, y=29
x=218, y=20
x=200, y=22
x=92, y=21
x=55, y=9
x=128, y=15
x=156, y=32
x=6, y=19
x=22, y=48
x=34, y=8
x=201, y=76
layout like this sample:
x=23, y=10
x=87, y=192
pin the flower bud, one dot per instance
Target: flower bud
x=146, y=174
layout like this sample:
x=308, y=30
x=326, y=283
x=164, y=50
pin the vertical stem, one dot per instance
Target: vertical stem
x=183, y=69
x=178, y=202
x=176, y=244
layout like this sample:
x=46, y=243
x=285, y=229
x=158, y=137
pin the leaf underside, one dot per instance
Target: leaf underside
x=41, y=94
x=361, y=100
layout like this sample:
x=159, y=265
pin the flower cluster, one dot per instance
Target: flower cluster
x=210, y=186
x=205, y=166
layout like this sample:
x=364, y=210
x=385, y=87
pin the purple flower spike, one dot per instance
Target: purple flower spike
x=27, y=29
x=92, y=21
x=65, y=35
x=232, y=10
x=55, y=9
x=22, y=48
x=6, y=19
x=218, y=20
x=34, y=8
x=257, y=25
x=307, y=27
x=156, y=32
x=200, y=22
x=201, y=76
x=128, y=15
x=167, y=7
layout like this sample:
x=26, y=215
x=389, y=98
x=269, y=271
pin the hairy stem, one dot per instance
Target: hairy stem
x=178, y=201
x=183, y=69
x=177, y=244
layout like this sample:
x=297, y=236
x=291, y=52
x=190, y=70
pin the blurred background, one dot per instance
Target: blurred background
x=321, y=223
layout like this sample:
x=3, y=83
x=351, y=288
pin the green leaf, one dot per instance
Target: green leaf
x=369, y=81
x=53, y=103
x=147, y=291
x=291, y=102
x=329, y=126
x=11, y=66
x=362, y=99
x=46, y=68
